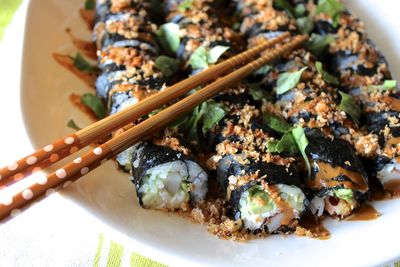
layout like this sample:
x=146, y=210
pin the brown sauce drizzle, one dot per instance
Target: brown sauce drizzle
x=88, y=16
x=313, y=227
x=394, y=141
x=87, y=48
x=393, y=103
x=364, y=213
x=76, y=101
x=68, y=63
x=284, y=207
x=323, y=178
x=393, y=187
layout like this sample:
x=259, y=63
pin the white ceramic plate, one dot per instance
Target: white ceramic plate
x=109, y=196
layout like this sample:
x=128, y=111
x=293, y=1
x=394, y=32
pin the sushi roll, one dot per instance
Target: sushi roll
x=263, y=190
x=166, y=179
x=200, y=30
x=338, y=180
x=382, y=115
x=259, y=19
x=264, y=196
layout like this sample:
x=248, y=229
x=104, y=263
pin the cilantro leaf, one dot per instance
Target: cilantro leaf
x=198, y=60
x=286, y=144
x=305, y=24
x=168, y=65
x=257, y=92
x=178, y=122
x=215, y=53
x=212, y=115
x=285, y=5
x=201, y=58
x=82, y=64
x=71, y=124
x=288, y=80
x=302, y=143
x=277, y=124
x=348, y=105
x=206, y=115
x=168, y=37
x=300, y=10
x=95, y=104
x=333, y=8
x=329, y=78
x=185, y=5
x=319, y=43
x=262, y=71
x=90, y=4
x=387, y=85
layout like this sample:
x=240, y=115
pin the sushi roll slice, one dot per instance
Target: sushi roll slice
x=166, y=179
x=264, y=196
x=200, y=30
x=338, y=181
x=259, y=19
x=382, y=116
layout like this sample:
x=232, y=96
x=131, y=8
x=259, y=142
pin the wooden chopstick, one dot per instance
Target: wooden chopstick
x=58, y=150
x=82, y=165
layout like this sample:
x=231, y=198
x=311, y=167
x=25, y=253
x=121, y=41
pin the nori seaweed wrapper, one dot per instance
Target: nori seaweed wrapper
x=146, y=156
x=270, y=173
x=337, y=153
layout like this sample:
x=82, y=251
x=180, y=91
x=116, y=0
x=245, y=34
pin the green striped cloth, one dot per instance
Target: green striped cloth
x=109, y=253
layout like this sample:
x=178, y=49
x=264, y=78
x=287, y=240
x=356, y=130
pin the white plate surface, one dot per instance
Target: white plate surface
x=109, y=196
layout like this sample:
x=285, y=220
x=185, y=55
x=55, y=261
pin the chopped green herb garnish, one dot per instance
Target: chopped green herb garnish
x=387, y=85
x=208, y=114
x=71, y=124
x=201, y=58
x=333, y=8
x=287, y=144
x=285, y=5
x=212, y=114
x=277, y=124
x=300, y=10
x=168, y=37
x=82, y=64
x=90, y=4
x=302, y=143
x=319, y=43
x=178, y=122
x=185, y=5
x=154, y=112
x=348, y=105
x=288, y=80
x=95, y=104
x=329, y=78
x=305, y=24
x=215, y=53
x=257, y=92
x=168, y=65
x=263, y=70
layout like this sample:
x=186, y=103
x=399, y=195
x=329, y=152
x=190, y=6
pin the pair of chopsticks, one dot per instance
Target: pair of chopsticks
x=43, y=158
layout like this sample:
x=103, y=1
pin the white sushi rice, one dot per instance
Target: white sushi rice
x=198, y=179
x=165, y=186
x=271, y=215
x=390, y=172
x=344, y=207
x=169, y=185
